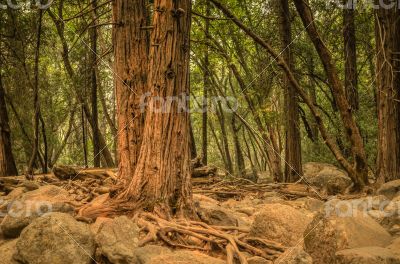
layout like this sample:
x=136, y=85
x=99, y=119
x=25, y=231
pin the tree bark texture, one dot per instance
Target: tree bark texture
x=293, y=165
x=131, y=57
x=161, y=182
x=388, y=92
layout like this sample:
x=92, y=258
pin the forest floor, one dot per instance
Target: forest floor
x=240, y=221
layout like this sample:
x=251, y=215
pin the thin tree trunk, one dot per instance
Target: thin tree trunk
x=44, y=136
x=293, y=165
x=84, y=138
x=162, y=176
x=225, y=141
x=350, y=55
x=193, y=150
x=351, y=128
x=71, y=74
x=358, y=170
x=206, y=84
x=93, y=82
x=240, y=166
x=36, y=104
x=388, y=92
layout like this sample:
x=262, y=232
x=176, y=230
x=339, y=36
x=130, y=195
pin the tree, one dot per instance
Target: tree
x=357, y=169
x=206, y=77
x=388, y=92
x=293, y=167
x=7, y=163
x=161, y=181
x=93, y=80
x=350, y=55
x=36, y=103
x=130, y=64
x=60, y=27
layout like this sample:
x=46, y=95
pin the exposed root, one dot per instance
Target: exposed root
x=200, y=236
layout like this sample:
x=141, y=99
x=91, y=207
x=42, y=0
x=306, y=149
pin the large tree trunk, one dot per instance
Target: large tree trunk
x=350, y=55
x=388, y=94
x=131, y=57
x=161, y=182
x=7, y=163
x=293, y=167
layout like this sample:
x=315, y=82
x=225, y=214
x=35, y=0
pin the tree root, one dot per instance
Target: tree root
x=232, y=240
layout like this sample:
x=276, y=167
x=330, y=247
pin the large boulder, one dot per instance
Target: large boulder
x=117, y=239
x=184, y=257
x=294, y=255
x=367, y=255
x=31, y=205
x=281, y=223
x=55, y=238
x=326, y=176
x=331, y=232
x=7, y=251
x=390, y=189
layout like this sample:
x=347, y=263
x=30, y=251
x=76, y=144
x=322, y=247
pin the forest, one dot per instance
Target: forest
x=198, y=131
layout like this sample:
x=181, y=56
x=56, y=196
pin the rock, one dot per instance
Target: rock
x=258, y=260
x=95, y=227
x=31, y=185
x=389, y=217
x=395, y=245
x=327, y=176
x=393, y=205
x=7, y=251
x=184, y=257
x=55, y=238
x=294, y=255
x=203, y=201
x=32, y=205
x=368, y=203
x=367, y=255
x=117, y=240
x=328, y=233
x=390, y=189
x=281, y=223
x=145, y=254
x=309, y=203
x=395, y=230
x=212, y=213
x=17, y=192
